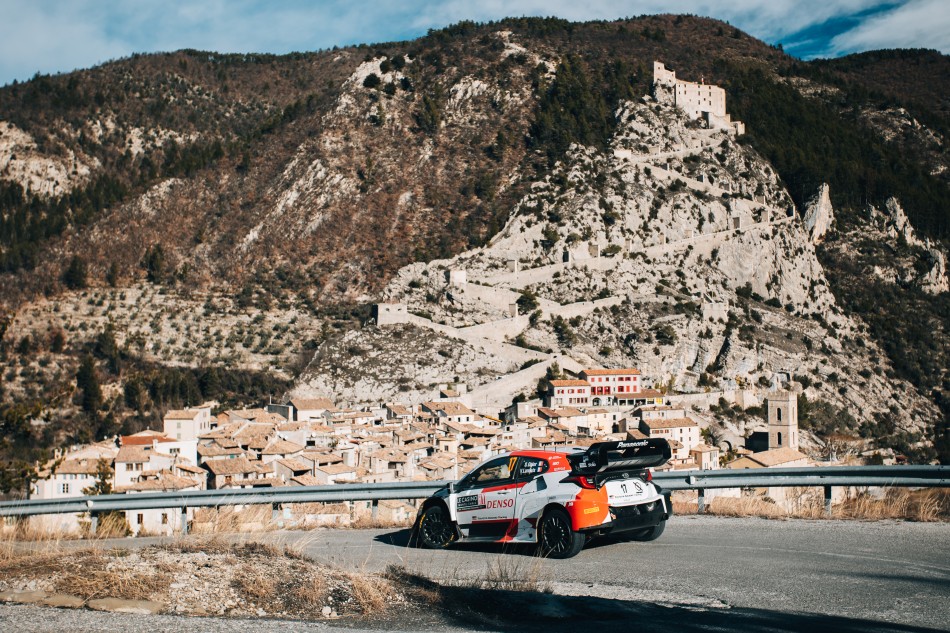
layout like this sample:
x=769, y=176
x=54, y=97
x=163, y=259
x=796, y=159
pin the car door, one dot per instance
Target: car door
x=485, y=502
x=532, y=494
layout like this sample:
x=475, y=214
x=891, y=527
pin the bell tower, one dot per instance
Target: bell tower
x=783, y=419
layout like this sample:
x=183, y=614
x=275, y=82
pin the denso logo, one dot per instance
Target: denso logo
x=499, y=503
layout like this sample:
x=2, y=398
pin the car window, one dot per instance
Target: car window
x=496, y=470
x=528, y=467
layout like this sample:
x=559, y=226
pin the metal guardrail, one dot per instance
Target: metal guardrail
x=699, y=480
x=825, y=477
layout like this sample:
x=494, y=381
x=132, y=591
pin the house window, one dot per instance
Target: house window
x=780, y=439
x=64, y=489
x=140, y=519
x=778, y=413
x=164, y=518
x=128, y=466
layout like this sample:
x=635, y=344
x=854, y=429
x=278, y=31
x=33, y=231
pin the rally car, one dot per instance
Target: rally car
x=555, y=499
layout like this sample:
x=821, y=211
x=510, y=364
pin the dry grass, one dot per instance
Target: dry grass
x=89, y=575
x=370, y=592
x=254, y=584
x=245, y=578
x=229, y=520
x=913, y=505
x=514, y=573
x=928, y=505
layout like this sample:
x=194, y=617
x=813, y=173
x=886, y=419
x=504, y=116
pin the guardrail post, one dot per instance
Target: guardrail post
x=93, y=523
x=701, y=501
x=184, y=521
x=828, y=500
x=375, y=509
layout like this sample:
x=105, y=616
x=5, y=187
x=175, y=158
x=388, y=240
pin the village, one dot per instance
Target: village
x=311, y=442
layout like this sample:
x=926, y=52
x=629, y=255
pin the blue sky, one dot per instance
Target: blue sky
x=52, y=36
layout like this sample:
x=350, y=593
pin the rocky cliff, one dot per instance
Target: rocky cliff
x=195, y=211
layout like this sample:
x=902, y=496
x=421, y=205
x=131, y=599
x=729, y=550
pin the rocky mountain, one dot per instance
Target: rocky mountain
x=190, y=223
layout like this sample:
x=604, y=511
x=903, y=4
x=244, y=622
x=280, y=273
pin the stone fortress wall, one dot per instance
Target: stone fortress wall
x=697, y=100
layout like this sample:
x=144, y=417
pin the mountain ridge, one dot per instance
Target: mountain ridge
x=227, y=191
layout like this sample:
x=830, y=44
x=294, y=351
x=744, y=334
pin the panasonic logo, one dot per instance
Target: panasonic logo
x=632, y=444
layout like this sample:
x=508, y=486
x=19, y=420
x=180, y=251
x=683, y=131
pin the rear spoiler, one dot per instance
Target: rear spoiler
x=628, y=454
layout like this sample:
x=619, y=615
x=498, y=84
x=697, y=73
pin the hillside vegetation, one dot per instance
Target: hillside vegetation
x=304, y=183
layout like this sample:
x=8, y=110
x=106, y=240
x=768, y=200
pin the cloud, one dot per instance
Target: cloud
x=36, y=38
x=917, y=24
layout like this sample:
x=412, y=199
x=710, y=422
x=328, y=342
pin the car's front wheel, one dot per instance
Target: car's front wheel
x=556, y=538
x=435, y=529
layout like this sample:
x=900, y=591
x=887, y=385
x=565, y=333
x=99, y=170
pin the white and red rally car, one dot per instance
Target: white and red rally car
x=554, y=499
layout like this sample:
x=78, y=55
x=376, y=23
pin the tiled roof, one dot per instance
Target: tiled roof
x=305, y=480
x=132, y=454
x=669, y=423
x=312, y=404
x=282, y=447
x=161, y=483
x=569, y=383
x=78, y=467
x=449, y=408
x=336, y=469
x=777, y=456
x=181, y=414
x=611, y=372
x=293, y=464
x=236, y=466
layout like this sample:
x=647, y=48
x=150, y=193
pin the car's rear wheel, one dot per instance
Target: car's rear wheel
x=556, y=539
x=435, y=529
x=649, y=534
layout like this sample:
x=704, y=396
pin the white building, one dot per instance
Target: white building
x=187, y=424
x=670, y=424
x=159, y=521
x=568, y=393
x=131, y=462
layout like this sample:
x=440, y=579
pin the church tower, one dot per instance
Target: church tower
x=783, y=419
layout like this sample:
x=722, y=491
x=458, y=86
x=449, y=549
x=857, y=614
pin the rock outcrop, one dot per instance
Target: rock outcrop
x=673, y=251
x=819, y=214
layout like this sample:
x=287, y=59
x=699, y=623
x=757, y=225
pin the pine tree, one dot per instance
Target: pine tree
x=103, y=483
x=88, y=383
x=75, y=274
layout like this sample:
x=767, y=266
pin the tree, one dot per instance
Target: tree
x=135, y=394
x=75, y=274
x=57, y=342
x=103, y=483
x=712, y=435
x=527, y=302
x=372, y=80
x=107, y=349
x=429, y=115
x=154, y=264
x=112, y=275
x=88, y=384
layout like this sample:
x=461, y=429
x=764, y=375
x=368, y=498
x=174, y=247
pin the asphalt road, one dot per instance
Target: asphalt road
x=703, y=574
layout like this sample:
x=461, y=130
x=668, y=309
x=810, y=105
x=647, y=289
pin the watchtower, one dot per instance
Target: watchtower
x=783, y=419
